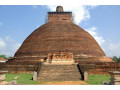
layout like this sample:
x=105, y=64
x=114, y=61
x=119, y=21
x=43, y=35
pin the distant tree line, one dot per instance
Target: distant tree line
x=116, y=59
x=5, y=57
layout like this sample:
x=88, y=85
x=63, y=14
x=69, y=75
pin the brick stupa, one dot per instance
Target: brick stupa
x=60, y=50
x=59, y=34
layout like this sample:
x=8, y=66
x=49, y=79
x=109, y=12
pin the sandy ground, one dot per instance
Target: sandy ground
x=66, y=83
x=52, y=83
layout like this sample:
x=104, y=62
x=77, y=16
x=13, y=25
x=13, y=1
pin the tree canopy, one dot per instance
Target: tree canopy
x=116, y=59
x=4, y=56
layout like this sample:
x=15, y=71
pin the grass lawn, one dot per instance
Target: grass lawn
x=27, y=79
x=97, y=79
x=21, y=78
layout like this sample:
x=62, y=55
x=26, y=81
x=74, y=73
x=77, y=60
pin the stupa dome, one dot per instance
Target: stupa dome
x=59, y=36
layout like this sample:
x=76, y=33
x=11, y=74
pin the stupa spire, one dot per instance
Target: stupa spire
x=59, y=9
x=59, y=15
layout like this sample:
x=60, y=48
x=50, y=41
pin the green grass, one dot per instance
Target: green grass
x=27, y=79
x=97, y=79
x=22, y=78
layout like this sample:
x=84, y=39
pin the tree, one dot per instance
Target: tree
x=116, y=59
x=4, y=56
x=119, y=59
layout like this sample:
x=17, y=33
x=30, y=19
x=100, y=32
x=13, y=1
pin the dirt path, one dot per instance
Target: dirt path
x=65, y=83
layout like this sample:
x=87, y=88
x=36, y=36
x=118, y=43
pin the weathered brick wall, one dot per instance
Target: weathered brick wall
x=83, y=59
x=28, y=59
x=59, y=16
x=21, y=67
x=99, y=67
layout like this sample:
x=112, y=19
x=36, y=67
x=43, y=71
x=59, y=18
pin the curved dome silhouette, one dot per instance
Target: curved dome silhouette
x=59, y=36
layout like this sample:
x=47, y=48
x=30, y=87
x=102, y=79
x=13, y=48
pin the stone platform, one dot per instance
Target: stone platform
x=115, y=77
x=2, y=76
